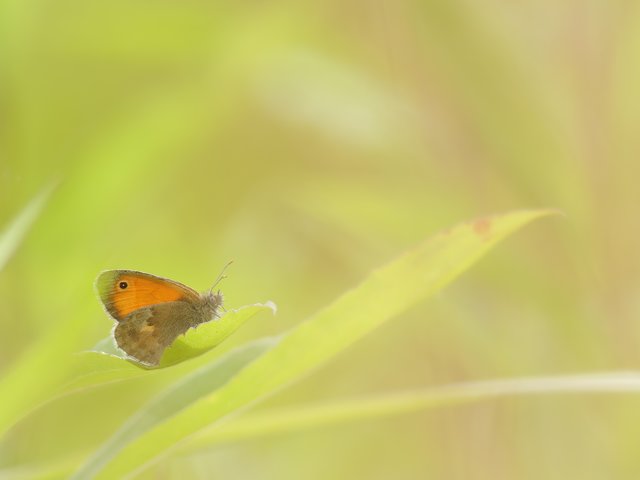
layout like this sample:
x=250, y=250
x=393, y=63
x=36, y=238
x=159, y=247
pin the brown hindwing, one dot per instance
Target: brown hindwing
x=147, y=332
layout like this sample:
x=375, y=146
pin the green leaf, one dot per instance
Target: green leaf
x=386, y=293
x=196, y=341
x=199, y=383
x=106, y=364
x=98, y=367
x=311, y=416
x=12, y=237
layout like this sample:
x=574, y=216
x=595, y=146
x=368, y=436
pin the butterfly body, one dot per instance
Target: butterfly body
x=151, y=312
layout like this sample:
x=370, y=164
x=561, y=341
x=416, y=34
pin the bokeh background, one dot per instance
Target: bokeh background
x=311, y=142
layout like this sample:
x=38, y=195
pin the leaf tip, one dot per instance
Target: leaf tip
x=271, y=305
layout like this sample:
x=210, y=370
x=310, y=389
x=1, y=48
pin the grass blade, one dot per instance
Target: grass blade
x=12, y=237
x=386, y=293
x=307, y=417
x=99, y=367
x=195, y=341
x=199, y=383
x=283, y=421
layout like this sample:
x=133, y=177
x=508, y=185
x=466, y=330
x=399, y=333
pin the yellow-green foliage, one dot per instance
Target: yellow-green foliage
x=322, y=146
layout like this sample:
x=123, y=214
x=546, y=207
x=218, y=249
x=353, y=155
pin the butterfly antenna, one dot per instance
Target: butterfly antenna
x=221, y=276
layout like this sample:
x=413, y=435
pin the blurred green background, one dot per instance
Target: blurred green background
x=311, y=142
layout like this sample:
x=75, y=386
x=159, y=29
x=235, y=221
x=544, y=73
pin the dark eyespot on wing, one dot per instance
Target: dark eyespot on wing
x=124, y=291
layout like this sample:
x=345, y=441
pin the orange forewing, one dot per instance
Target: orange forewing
x=125, y=291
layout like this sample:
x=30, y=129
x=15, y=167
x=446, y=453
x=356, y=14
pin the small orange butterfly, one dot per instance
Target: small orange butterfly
x=151, y=312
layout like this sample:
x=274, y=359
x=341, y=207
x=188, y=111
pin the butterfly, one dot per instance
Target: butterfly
x=151, y=312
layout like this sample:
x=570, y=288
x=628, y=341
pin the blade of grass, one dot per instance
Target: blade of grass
x=311, y=416
x=12, y=237
x=182, y=393
x=387, y=292
x=283, y=421
x=196, y=341
x=96, y=368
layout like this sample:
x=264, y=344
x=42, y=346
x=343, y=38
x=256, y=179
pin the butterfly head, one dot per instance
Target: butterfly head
x=214, y=299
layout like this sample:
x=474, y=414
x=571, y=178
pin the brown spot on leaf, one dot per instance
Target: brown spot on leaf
x=482, y=226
